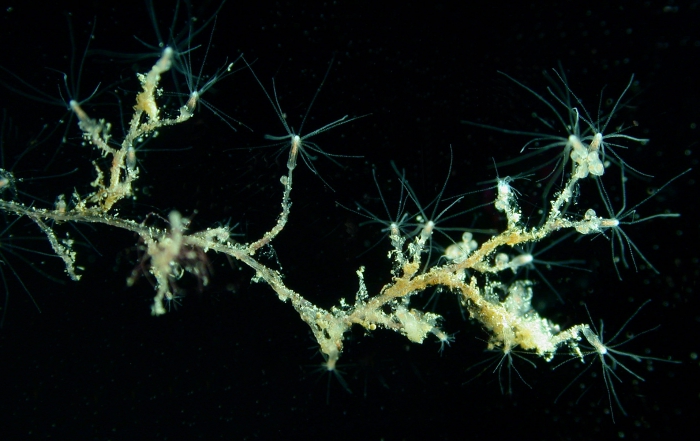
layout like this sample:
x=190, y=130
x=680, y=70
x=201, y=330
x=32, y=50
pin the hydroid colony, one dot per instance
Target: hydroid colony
x=478, y=272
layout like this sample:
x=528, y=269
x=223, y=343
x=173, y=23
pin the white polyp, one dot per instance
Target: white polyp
x=501, y=260
x=165, y=60
x=131, y=158
x=177, y=224
x=521, y=260
x=595, y=166
x=61, y=203
x=192, y=102
x=504, y=194
x=579, y=151
x=292, y=161
x=455, y=252
x=468, y=243
x=394, y=229
x=79, y=112
x=427, y=230
x=503, y=188
x=609, y=223
x=594, y=341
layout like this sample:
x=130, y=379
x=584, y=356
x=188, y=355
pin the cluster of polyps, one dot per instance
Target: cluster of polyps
x=588, y=157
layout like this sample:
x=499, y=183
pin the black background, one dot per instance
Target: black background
x=234, y=362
